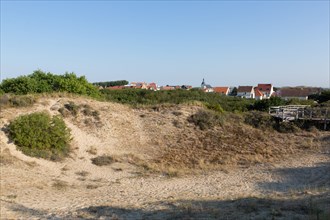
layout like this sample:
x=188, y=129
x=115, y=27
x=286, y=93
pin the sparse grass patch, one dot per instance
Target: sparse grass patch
x=12, y=196
x=82, y=173
x=92, y=150
x=72, y=108
x=60, y=184
x=90, y=186
x=177, y=113
x=7, y=100
x=65, y=168
x=103, y=160
x=84, y=113
x=177, y=124
x=6, y=158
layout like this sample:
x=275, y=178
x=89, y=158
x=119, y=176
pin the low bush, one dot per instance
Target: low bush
x=40, y=135
x=72, y=107
x=206, y=119
x=259, y=120
x=103, y=160
x=286, y=127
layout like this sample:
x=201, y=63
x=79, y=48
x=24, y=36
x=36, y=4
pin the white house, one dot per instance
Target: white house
x=246, y=92
x=266, y=89
x=206, y=87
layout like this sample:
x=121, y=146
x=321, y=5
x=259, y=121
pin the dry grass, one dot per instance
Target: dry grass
x=185, y=148
x=60, y=184
x=92, y=150
x=6, y=158
x=82, y=173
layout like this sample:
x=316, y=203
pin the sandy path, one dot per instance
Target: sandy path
x=33, y=192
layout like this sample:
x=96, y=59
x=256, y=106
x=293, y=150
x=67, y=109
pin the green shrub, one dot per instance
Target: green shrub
x=264, y=104
x=40, y=135
x=259, y=120
x=286, y=127
x=213, y=101
x=206, y=119
x=41, y=82
x=215, y=107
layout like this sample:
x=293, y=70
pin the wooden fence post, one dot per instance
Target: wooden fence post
x=325, y=119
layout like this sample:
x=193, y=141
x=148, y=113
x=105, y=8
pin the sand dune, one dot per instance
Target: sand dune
x=166, y=168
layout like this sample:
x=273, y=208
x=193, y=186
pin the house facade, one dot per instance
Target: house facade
x=258, y=94
x=246, y=92
x=266, y=89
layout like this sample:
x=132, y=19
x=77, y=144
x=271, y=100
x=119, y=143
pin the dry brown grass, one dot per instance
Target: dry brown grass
x=6, y=158
x=60, y=184
x=188, y=149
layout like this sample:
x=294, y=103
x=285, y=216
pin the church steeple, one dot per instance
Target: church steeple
x=203, y=83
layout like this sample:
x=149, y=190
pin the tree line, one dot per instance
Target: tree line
x=41, y=82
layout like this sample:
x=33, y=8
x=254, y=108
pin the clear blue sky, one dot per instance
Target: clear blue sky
x=229, y=43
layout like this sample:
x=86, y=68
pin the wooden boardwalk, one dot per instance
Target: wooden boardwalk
x=301, y=112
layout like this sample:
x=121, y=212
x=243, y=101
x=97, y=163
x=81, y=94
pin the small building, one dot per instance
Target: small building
x=258, y=94
x=266, y=89
x=115, y=87
x=245, y=92
x=301, y=93
x=167, y=87
x=139, y=85
x=152, y=86
x=186, y=87
x=206, y=87
x=221, y=90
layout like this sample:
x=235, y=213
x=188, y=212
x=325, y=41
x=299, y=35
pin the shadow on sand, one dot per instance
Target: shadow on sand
x=276, y=204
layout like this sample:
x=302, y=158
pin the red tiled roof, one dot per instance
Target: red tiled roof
x=264, y=87
x=152, y=86
x=115, y=87
x=258, y=93
x=167, y=88
x=297, y=92
x=244, y=88
x=223, y=90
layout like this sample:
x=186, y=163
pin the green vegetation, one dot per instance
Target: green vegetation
x=206, y=119
x=111, y=83
x=40, y=135
x=263, y=105
x=321, y=98
x=213, y=101
x=41, y=82
x=259, y=120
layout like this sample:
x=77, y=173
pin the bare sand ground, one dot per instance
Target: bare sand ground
x=297, y=187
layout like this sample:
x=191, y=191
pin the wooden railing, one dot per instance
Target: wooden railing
x=301, y=112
